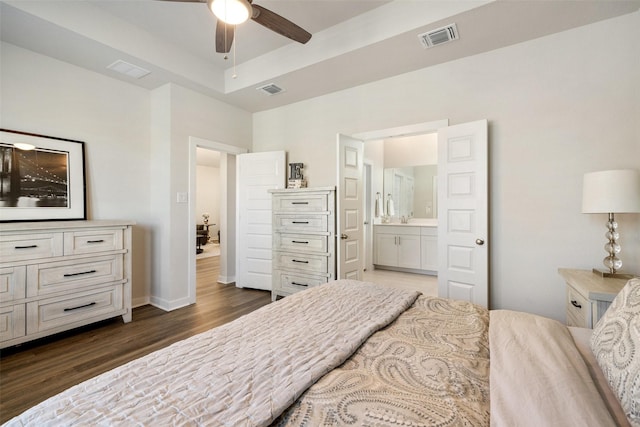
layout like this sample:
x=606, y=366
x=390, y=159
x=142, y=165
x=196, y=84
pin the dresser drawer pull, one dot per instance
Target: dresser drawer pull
x=299, y=284
x=25, y=247
x=575, y=304
x=80, y=306
x=299, y=203
x=80, y=273
x=95, y=241
x=300, y=222
x=301, y=262
x=300, y=241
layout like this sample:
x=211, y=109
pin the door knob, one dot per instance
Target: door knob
x=479, y=242
x=344, y=236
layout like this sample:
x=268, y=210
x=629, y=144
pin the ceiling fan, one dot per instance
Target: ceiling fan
x=233, y=12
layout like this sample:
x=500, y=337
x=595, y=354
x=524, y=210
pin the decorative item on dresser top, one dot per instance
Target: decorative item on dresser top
x=589, y=295
x=56, y=276
x=303, y=239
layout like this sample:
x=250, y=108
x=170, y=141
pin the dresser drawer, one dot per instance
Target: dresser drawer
x=301, y=262
x=21, y=247
x=12, y=283
x=81, y=307
x=69, y=275
x=12, y=323
x=300, y=203
x=578, y=309
x=291, y=282
x=86, y=242
x=300, y=242
x=300, y=223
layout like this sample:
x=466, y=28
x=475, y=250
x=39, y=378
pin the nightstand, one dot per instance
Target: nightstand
x=588, y=296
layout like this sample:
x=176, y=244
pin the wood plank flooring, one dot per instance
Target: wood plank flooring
x=34, y=371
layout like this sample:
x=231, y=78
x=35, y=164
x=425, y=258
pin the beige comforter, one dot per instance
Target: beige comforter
x=244, y=373
x=428, y=365
x=538, y=377
x=428, y=368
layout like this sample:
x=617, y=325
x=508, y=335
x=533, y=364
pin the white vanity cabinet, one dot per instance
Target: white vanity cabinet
x=406, y=247
x=429, y=248
x=303, y=239
x=56, y=276
x=398, y=246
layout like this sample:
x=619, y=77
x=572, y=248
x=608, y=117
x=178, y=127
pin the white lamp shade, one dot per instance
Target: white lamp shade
x=614, y=191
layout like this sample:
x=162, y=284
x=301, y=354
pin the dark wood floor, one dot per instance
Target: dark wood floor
x=34, y=371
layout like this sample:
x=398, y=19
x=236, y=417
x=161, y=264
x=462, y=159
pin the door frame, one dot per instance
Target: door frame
x=194, y=143
x=400, y=131
x=368, y=215
x=409, y=130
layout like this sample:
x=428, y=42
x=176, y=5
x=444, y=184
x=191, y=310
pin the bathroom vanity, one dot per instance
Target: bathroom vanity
x=411, y=247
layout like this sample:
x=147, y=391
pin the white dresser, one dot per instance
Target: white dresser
x=56, y=276
x=303, y=239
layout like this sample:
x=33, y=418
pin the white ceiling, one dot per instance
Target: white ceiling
x=354, y=41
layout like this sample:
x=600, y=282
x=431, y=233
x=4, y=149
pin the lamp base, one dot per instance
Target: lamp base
x=612, y=275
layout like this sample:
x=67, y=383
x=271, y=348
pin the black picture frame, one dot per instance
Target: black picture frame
x=44, y=183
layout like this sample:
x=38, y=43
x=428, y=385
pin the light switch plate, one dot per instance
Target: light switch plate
x=182, y=197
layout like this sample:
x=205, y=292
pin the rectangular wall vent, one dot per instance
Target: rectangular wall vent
x=439, y=36
x=270, y=89
x=127, y=69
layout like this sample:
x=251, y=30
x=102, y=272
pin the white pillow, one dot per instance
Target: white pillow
x=616, y=344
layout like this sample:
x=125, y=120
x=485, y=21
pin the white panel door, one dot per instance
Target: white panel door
x=256, y=174
x=463, y=247
x=350, y=208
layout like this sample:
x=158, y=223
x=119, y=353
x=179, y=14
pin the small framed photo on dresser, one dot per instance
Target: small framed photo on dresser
x=41, y=178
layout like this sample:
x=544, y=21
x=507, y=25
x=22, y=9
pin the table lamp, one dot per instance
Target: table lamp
x=611, y=192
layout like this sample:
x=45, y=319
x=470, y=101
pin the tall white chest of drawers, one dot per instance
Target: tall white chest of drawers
x=303, y=239
x=56, y=276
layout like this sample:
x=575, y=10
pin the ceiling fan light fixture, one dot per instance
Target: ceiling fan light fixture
x=232, y=12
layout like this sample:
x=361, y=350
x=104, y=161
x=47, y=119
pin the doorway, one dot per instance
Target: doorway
x=208, y=186
x=373, y=184
x=462, y=227
x=227, y=210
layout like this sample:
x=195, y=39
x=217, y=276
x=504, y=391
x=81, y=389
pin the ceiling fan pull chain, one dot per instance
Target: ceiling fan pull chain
x=235, y=31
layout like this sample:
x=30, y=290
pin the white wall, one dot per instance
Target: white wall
x=45, y=96
x=137, y=153
x=558, y=107
x=417, y=150
x=180, y=113
x=208, y=197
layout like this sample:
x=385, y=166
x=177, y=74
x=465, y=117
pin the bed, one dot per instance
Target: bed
x=357, y=353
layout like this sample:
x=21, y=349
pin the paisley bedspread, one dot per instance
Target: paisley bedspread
x=429, y=367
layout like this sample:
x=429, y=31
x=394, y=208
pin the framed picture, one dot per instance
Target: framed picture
x=41, y=178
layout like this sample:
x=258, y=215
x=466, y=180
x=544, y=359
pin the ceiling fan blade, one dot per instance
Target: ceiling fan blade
x=280, y=25
x=224, y=36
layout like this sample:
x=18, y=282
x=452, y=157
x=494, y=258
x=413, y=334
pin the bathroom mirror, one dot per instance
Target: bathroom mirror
x=413, y=190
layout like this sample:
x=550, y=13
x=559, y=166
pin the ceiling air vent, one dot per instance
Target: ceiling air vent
x=270, y=89
x=439, y=36
x=127, y=69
